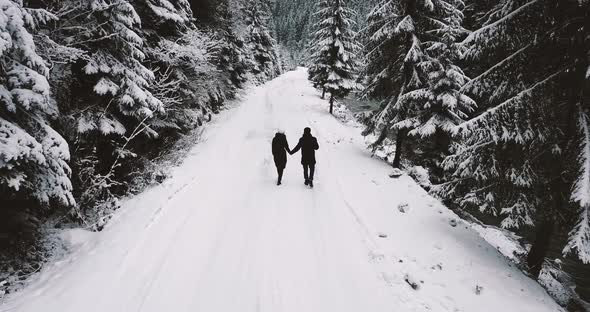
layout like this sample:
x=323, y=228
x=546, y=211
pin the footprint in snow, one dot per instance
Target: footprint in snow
x=403, y=207
x=412, y=282
x=376, y=256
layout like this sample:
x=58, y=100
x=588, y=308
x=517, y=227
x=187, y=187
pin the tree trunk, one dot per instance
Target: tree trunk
x=331, y=103
x=399, y=141
x=323, y=93
x=540, y=248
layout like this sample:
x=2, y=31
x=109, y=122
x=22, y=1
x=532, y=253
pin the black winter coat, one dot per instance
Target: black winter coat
x=308, y=145
x=280, y=147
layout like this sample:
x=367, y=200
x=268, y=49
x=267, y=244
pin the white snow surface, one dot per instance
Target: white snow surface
x=221, y=236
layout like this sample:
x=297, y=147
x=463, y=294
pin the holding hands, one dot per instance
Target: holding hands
x=308, y=144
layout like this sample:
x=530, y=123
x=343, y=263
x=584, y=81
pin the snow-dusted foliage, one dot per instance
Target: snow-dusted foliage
x=412, y=55
x=383, y=52
x=177, y=12
x=188, y=82
x=122, y=81
x=110, y=92
x=181, y=58
x=581, y=192
x=334, y=50
x=579, y=236
x=113, y=76
x=318, y=69
x=293, y=21
x=519, y=159
x=33, y=156
x=294, y=24
x=440, y=105
x=233, y=57
x=265, y=60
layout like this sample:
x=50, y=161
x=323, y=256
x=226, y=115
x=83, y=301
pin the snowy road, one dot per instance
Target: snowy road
x=221, y=236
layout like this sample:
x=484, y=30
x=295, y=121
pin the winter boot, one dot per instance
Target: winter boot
x=306, y=182
x=311, y=183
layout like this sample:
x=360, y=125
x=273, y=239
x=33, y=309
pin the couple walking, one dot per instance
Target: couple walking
x=307, y=144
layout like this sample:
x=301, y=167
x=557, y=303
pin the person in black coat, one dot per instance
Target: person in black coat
x=308, y=145
x=280, y=147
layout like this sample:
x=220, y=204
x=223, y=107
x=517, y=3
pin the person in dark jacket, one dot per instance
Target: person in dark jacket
x=308, y=145
x=280, y=147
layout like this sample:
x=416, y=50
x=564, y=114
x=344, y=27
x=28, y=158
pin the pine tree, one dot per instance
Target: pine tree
x=168, y=32
x=579, y=236
x=176, y=11
x=264, y=58
x=292, y=24
x=334, y=49
x=435, y=109
x=108, y=31
x=233, y=57
x=110, y=102
x=294, y=21
x=383, y=53
x=116, y=66
x=318, y=70
x=33, y=156
x=411, y=66
x=514, y=158
x=164, y=18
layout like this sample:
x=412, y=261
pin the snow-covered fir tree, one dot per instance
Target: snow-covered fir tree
x=126, y=73
x=187, y=81
x=579, y=236
x=33, y=156
x=318, y=71
x=165, y=17
x=294, y=22
x=433, y=111
x=116, y=65
x=333, y=50
x=411, y=54
x=92, y=94
x=524, y=158
x=383, y=52
x=263, y=46
x=232, y=56
x=174, y=50
x=111, y=97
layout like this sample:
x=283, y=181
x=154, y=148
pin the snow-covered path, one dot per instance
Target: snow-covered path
x=221, y=236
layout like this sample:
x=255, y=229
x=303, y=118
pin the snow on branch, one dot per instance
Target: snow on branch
x=486, y=119
x=471, y=84
x=492, y=29
x=581, y=193
x=579, y=236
